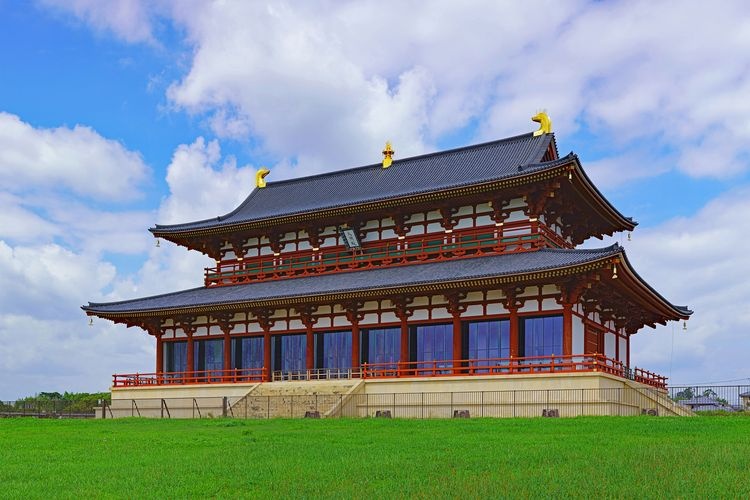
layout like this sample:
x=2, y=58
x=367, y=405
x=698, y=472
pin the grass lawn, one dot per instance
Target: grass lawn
x=595, y=457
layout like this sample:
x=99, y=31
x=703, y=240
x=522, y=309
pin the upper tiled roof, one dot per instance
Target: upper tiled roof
x=374, y=280
x=409, y=176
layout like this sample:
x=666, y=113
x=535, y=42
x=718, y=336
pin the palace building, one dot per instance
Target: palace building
x=456, y=270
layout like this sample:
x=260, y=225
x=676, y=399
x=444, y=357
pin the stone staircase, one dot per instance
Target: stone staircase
x=657, y=400
x=293, y=399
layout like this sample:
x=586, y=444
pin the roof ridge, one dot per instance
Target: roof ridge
x=408, y=158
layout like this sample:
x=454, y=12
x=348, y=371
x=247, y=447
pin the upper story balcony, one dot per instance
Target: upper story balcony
x=520, y=236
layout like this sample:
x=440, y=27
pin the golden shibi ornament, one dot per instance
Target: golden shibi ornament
x=388, y=153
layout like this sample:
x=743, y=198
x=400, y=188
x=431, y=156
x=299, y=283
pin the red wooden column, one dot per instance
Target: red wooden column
x=190, y=355
x=153, y=327
x=159, y=354
x=354, y=316
x=403, y=313
x=567, y=329
x=455, y=308
x=627, y=346
x=306, y=313
x=309, y=347
x=512, y=303
x=263, y=317
x=223, y=319
x=514, y=331
x=186, y=323
x=266, y=356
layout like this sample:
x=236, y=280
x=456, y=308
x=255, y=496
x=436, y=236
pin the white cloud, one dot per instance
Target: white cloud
x=77, y=159
x=699, y=261
x=329, y=85
x=202, y=184
x=130, y=20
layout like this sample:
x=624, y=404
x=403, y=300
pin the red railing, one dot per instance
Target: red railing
x=446, y=368
x=513, y=366
x=391, y=252
x=235, y=375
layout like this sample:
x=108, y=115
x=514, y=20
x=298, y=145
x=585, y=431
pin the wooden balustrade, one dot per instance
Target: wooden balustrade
x=472, y=242
x=234, y=375
x=444, y=368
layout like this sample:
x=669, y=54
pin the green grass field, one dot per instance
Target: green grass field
x=583, y=457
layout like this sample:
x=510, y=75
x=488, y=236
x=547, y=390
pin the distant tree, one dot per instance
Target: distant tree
x=686, y=393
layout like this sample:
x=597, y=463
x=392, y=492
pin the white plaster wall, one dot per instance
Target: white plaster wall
x=496, y=308
x=577, y=335
x=296, y=324
x=474, y=310
x=623, y=350
x=420, y=315
x=369, y=319
x=340, y=321
x=550, y=305
x=389, y=317
x=441, y=313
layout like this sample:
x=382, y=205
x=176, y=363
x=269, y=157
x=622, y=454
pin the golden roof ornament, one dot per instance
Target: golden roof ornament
x=544, y=121
x=260, y=177
x=388, y=155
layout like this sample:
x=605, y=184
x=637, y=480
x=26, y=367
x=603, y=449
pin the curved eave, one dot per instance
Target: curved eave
x=598, y=201
x=666, y=308
x=534, y=276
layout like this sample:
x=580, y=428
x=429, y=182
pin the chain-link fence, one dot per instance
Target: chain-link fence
x=49, y=408
x=728, y=398
x=520, y=403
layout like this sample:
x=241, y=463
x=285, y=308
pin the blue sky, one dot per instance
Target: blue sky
x=118, y=115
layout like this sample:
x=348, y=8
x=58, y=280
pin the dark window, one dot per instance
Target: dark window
x=434, y=343
x=208, y=355
x=334, y=350
x=382, y=346
x=542, y=336
x=288, y=353
x=489, y=339
x=175, y=356
x=247, y=352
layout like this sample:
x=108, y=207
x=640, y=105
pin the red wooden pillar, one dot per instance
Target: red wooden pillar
x=627, y=346
x=617, y=345
x=266, y=355
x=190, y=355
x=309, y=347
x=404, y=357
x=354, y=316
x=457, y=342
x=159, y=354
x=263, y=316
x=308, y=319
x=514, y=331
x=402, y=312
x=227, y=351
x=355, y=345
x=567, y=329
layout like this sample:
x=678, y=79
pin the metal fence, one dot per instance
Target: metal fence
x=519, y=403
x=47, y=408
x=729, y=398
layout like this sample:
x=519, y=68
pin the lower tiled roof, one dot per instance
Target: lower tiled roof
x=358, y=281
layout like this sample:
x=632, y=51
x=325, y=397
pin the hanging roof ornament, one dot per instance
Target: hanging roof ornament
x=260, y=181
x=544, y=121
x=388, y=153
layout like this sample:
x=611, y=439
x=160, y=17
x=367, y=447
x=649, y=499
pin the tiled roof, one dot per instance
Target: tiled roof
x=454, y=168
x=459, y=270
